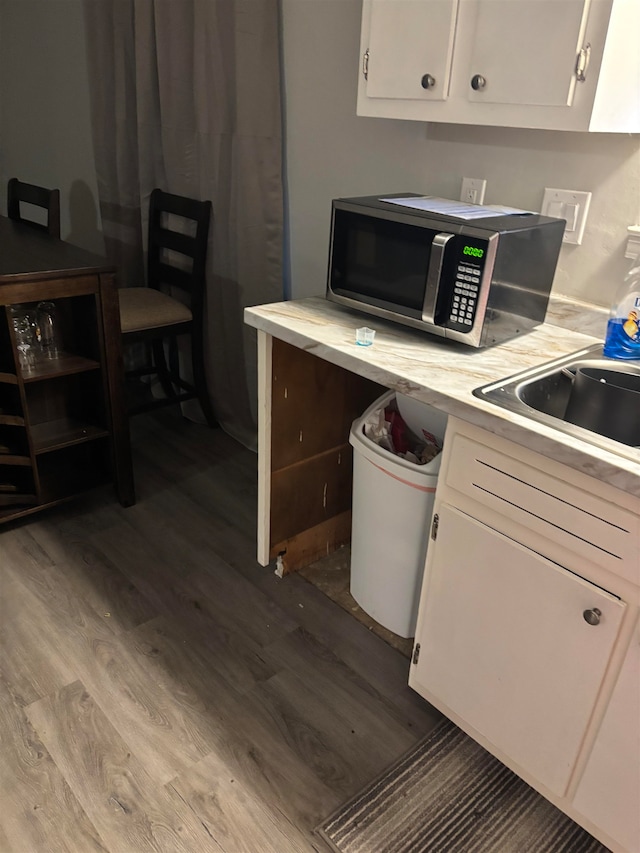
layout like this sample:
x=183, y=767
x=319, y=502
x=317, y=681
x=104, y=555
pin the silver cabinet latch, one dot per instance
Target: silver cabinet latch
x=365, y=64
x=582, y=63
x=434, y=526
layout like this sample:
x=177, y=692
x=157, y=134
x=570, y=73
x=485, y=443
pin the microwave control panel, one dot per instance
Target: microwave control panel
x=466, y=285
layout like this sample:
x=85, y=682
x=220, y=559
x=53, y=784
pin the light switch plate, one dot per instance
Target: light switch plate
x=572, y=205
x=633, y=242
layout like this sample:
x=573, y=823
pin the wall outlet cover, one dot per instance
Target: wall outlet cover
x=473, y=190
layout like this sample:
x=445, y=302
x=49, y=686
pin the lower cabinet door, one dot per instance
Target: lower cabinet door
x=609, y=791
x=512, y=643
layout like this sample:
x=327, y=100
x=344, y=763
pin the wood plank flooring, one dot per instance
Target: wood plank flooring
x=161, y=691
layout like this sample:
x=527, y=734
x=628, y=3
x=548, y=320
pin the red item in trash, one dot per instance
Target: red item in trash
x=430, y=438
x=398, y=431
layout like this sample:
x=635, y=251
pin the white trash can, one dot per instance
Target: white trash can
x=391, y=514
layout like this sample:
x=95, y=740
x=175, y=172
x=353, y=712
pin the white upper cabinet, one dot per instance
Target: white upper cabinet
x=555, y=64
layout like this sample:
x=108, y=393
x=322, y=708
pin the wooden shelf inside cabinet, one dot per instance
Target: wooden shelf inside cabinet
x=54, y=435
x=65, y=364
x=15, y=499
x=14, y=442
x=8, y=458
x=11, y=420
x=63, y=490
x=63, y=422
x=70, y=470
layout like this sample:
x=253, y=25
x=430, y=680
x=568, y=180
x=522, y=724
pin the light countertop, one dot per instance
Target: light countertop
x=444, y=373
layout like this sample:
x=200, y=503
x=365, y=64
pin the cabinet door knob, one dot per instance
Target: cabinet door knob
x=428, y=82
x=592, y=617
x=478, y=82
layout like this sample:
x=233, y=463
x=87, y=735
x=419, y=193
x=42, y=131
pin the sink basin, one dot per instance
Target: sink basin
x=542, y=393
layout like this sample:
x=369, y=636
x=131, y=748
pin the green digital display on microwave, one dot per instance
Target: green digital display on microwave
x=473, y=251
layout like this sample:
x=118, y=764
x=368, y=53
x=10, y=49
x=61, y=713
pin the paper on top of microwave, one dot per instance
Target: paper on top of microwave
x=460, y=209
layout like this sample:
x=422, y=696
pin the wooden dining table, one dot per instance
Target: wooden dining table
x=63, y=422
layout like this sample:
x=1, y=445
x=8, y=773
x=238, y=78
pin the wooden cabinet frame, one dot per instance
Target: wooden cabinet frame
x=66, y=416
x=306, y=408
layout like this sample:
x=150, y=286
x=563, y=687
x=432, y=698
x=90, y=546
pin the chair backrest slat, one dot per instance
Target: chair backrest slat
x=176, y=242
x=165, y=236
x=20, y=192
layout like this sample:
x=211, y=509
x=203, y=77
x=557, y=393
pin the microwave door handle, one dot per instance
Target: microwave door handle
x=434, y=274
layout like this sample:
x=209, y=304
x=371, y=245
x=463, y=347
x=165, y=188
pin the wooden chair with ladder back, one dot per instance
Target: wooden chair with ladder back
x=20, y=193
x=156, y=317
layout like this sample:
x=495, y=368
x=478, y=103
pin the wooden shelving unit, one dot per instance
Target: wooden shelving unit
x=63, y=426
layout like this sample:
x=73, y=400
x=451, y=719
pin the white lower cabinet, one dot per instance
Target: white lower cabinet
x=525, y=628
x=609, y=791
x=507, y=646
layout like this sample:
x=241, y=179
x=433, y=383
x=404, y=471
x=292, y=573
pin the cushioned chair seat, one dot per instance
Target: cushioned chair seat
x=146, y=308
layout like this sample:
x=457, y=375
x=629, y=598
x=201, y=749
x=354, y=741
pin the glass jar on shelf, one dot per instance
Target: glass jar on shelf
x=24, y=327
x=47, y=330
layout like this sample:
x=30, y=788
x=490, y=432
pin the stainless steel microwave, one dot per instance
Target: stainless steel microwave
x=478, y=281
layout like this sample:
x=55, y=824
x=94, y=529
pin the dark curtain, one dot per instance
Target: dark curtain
x=186, y=97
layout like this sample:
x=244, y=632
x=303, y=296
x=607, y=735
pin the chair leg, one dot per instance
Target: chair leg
x=200, y=379
x=174, y=357
x=161, y=366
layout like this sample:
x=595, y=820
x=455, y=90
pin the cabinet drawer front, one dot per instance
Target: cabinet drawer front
x=589, y=526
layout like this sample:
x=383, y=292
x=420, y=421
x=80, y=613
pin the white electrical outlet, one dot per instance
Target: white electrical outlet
x=473, y=190
x=572, y=205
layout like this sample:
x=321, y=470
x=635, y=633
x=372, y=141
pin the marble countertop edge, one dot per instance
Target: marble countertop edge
x=444, y=374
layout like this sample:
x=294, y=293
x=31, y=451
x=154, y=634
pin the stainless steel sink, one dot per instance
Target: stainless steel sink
x=542, y=393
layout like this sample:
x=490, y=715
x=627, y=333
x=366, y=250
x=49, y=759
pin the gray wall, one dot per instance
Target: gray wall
x=45, y=134
x=332, y=152
x=45, y=137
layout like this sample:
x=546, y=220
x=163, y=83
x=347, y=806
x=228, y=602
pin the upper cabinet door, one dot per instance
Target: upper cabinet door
x=410, y=49
x=525, y=51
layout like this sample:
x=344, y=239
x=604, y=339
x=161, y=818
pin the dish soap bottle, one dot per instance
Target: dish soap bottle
x=623, y=329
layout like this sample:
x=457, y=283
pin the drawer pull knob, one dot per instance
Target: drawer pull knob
x=428, y=82
x=592, y=617
x=478, y=82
